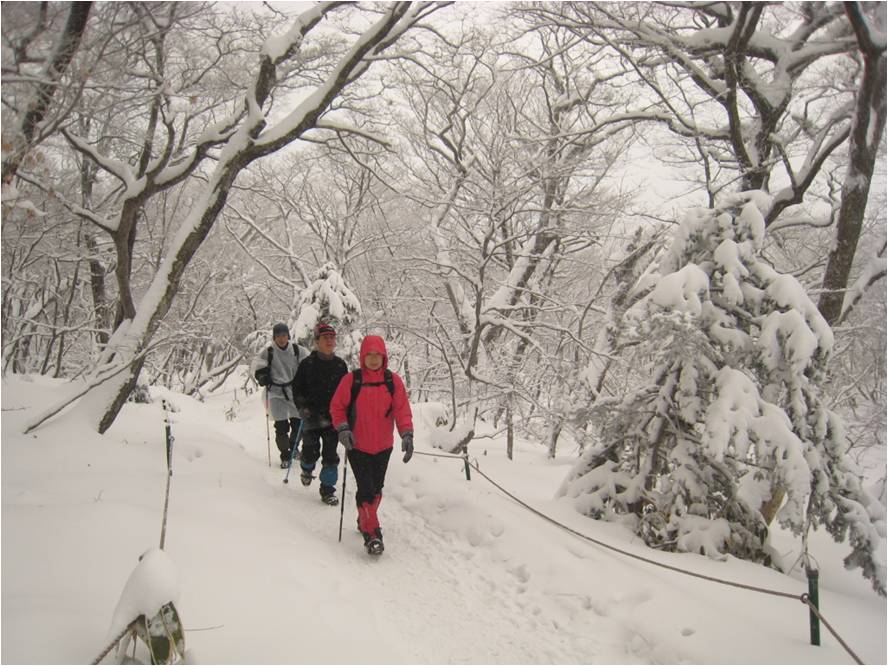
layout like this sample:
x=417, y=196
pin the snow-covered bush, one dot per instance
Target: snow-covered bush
x=729, y=430
x=328, y=299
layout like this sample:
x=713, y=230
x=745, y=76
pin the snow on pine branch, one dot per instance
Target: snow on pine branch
x=725, y=428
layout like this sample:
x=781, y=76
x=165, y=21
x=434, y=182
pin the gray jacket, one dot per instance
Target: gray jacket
x=284, y=363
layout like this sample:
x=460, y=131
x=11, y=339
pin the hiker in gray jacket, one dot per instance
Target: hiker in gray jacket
x=275, y=369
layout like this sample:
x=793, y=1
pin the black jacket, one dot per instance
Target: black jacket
x=314, y=385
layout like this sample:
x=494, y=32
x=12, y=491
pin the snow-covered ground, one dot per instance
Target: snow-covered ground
x=468, y=576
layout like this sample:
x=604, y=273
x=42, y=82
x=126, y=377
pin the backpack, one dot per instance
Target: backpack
x=357, y=383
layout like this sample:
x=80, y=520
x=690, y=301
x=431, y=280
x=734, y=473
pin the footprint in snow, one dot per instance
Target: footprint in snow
x=521, y=573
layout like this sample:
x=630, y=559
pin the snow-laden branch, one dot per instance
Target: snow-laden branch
x=397, y=19
x=116, y=168
x=281, y=47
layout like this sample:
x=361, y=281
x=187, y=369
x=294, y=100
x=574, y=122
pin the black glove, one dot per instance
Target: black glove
x=346, y=438
x=304, y=413
x=263, y=376
x=407, y=445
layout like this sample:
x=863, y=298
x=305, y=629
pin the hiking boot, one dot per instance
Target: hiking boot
x=285, y=464
x=306, y=477
x=331, y=500
x=374, y=546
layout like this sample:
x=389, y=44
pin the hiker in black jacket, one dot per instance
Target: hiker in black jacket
x=315, y=382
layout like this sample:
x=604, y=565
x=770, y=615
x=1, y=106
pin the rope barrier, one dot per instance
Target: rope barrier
x=804, y=598
x=788, y=595
x=438, y=455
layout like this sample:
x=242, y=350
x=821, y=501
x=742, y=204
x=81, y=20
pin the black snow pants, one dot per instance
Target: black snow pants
x=285, y=437
x=321, y=443
x=369, y=471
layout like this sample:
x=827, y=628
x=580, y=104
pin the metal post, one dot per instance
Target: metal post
x=169, y=457
x=169, y=437
x=813, y=595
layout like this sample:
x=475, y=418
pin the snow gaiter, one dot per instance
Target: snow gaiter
x=374, y=506
x=367, y=518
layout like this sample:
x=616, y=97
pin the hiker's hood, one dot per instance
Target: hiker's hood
x=373, y=343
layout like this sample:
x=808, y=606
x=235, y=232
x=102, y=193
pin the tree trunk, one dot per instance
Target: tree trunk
x=97, y=270
x=554, y=433
x=164, y=286
x=866, y=135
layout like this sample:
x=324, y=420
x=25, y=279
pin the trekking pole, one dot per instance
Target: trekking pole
x=267, y=431
x=342, y=502
x=293, y=452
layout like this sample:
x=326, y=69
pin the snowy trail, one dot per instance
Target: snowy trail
x=440, y=578
x=468, y=575
x=453, y=573
x=425, y=584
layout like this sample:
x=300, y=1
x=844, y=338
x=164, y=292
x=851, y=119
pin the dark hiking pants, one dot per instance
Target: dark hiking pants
x=285, y=436
x=321, y=443
x=369, y=471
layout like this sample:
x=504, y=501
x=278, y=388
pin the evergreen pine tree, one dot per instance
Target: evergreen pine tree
x=729, y=428
x=328, y=299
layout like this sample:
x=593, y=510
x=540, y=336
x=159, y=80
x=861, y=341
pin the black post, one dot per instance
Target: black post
x=466, y=463
x=814, y=596
x=169, y=437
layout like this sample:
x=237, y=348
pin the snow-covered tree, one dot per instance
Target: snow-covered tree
x=507, y=150
x=729, y=426
x=328, y=299
x=250, y=129
x=31, y=80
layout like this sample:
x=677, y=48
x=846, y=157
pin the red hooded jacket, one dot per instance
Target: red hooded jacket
x=372, y=428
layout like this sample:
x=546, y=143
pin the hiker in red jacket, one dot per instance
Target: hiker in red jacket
x=367, y=403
